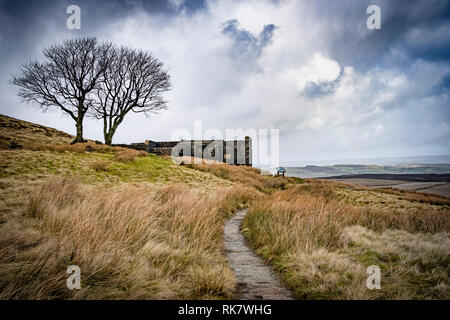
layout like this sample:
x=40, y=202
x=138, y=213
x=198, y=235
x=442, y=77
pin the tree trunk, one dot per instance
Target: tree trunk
x=79, y=137
x=108, y=138
x=110, y=133
x=79, y=124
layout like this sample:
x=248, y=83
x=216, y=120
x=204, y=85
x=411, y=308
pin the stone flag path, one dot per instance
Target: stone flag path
x=255, y=279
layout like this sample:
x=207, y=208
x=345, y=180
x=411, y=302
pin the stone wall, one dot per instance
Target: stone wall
x=237, y=152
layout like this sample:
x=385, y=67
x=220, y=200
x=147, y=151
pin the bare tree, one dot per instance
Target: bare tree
x=71, y=72
x=133, y=81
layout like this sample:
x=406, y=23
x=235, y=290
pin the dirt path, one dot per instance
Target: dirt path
x=256, y=280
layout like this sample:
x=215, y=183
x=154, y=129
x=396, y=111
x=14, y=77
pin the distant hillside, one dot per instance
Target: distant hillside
x=23, y=132
x=344, y=170
x=401, y=177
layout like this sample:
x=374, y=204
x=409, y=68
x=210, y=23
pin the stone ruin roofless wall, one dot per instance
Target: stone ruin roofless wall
x=237, y=152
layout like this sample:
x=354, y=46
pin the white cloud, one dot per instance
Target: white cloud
x=318, y=68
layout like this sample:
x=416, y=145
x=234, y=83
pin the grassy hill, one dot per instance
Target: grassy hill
x=23, y=132
x=141, y=227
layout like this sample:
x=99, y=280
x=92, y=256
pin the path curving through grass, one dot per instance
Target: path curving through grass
x=256, y=281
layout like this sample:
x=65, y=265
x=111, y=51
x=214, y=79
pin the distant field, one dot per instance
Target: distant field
x=438, y=184
x=426, y=178
x=397, y=177
x=344, y=170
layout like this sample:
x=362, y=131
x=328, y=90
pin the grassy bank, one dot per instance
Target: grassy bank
x=138, y=225
x=321, y=242
x=131, y=242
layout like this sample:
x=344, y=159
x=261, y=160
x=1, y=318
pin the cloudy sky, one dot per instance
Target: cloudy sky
x=312, y=69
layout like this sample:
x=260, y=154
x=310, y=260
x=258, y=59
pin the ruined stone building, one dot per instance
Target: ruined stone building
x=237, y=152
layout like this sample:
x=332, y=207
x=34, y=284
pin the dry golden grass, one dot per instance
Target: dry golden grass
x=128, y=155
x=131, y=242
x=4, y=143
x=99, y=165
x=120, y=154
x=409, y=195
x=165, y=240
x=75, y=148
x=306, y=234
x=141, y=227
x=385, y=201
x=246, y=175
x=131, y=239
x=418, y=196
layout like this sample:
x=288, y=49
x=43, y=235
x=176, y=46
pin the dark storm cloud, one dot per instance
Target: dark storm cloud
x=23, y=22
x=443, y=87
x=26, y=8
x=23, y=14
x=246, y=47
x=418, y=29
x=26, y=27
x=399, y=79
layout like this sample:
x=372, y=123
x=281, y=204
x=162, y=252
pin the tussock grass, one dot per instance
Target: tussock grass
x=99, y=165
x=4, y=144
x=412, y=195
x=131, y=242
x=306, y=234
x=120, y=154
x=76, y=148
x=128, y=155
x=409, y=195
x=246, y=175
